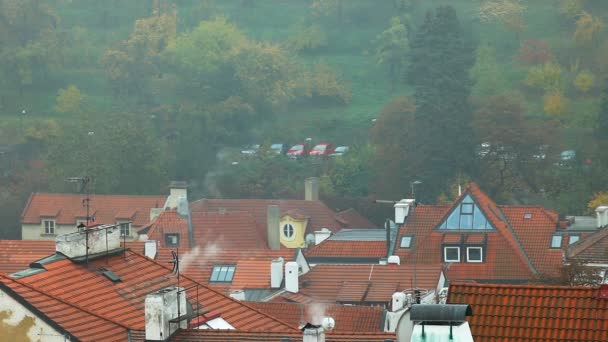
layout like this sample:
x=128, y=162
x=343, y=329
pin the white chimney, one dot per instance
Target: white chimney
x=237, y=294
x=177, y=190
x=150, y=249
x=321, y=235
x=394, y=259
x=182, y=207
x=291, y=277
x=313, y=334
x=273, y=218
x=276, y=273
x=602, y=216
x=160, y=308
x=402, y=210
x=311, y=189
x=100, y=239
x=399, y=300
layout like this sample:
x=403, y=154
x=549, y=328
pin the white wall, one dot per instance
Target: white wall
x=17, y=323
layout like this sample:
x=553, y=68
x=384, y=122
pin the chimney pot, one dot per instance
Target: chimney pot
x=276, y=273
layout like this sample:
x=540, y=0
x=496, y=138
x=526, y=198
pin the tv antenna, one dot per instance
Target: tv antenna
x=83, y=183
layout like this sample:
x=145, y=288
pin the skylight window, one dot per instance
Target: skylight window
x=222, y=273
x=466, y=215
x=573, y=239
x=556, y=241
x=527, y=216
x=406, y=242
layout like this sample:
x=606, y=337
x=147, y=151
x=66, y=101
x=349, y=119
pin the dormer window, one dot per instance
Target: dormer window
x=288, y=231
x=125, y=228
x=49, y=226
x=451, y=254
x=474, y=254
x=466, y=216
x=556, y=241
x=172, y=240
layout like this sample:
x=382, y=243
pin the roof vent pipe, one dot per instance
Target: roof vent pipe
x=276, y=273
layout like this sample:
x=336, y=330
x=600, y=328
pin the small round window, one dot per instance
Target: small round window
x=288, y=231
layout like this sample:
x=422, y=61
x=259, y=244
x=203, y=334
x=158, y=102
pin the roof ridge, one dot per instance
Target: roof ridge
x=34, y=288
x=215, y=291
x=580, y=246
x=528, y=286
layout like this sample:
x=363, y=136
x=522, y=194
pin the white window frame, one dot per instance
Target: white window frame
x=122, y=228
x=172, y=235
x=51, y=229
x=553, y=239
x=293, y=230
x=445, y=253
x=480, y=254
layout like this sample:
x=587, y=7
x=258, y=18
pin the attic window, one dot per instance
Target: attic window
x=556, y=241
x=451, y=254
x=573, y=239
x=172, y=240
x=406, y=241
x=466, y=215
x=527, y=216
x=222, y=273
x=474, y=254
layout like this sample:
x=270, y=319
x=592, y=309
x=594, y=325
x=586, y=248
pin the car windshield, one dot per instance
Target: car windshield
x=298, y=148
x=276, y=146
x=320, y=148
x=341, y=149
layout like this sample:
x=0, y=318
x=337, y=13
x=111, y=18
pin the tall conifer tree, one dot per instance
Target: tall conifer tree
x=440, y=61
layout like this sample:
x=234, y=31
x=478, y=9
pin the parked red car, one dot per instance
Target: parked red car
x=322, y=150
x=297, y=151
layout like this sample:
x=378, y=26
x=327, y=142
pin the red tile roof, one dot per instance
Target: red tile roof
x=85, y=286
x=352, y=218
x=320, y=215
x=593, y=248
x=76, y=320
x=345, y=248
x=348, y=318
x=515, y=250
x=252, y=266
x=228, y=230
x=326, y=282
x=66, y=208
x=17, y=255
x=239, y=336
x=168, y=222
x=533, y=313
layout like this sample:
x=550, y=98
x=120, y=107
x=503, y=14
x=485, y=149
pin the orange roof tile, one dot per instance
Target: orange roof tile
x=591, y=248
x=66, y=208
x=239, y=336
x=228, y=230
x=515, y=250
x=320, y=215
x=66, y=317
x=346, y=248
x=533, y=313
x=324, y=282
x=85, y=286
x=353, y=291
x=348, y=318
x=252, y=266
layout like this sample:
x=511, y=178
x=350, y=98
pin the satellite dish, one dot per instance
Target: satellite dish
x=328, y=323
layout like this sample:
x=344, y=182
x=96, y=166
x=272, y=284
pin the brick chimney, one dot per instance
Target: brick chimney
x=311, y=189
x=273, y=217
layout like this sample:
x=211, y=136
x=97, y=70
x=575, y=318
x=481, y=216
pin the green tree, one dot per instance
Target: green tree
x=392, y=50
x=602, y=118
x=487, y=75
x=351, y=174
x=69, y=100
x=392, y=137
x=439, y=65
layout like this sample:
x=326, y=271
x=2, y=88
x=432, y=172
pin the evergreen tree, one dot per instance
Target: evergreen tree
x=439, y=66
x=602, y=116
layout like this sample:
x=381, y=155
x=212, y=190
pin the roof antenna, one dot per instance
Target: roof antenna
x=86, y=202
